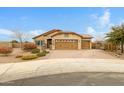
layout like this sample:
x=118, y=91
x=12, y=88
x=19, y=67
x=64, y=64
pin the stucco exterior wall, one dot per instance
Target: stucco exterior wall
x=70, y=36
x=40, y=38
x=62, y=36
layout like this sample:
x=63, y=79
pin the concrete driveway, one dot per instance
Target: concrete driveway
x=93, y=53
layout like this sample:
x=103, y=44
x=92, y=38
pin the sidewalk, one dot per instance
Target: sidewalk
x=13, y=71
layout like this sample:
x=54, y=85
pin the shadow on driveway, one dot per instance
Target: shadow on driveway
x=72, y=79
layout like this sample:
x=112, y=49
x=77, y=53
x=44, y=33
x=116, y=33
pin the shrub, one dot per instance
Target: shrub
x=29, y=57
x=41, y=54
x=46, y=51
x=34, y=51
x=14, y=41
x=5, y=50
x=29, y=46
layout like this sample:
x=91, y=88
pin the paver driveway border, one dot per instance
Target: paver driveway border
x=13, y=71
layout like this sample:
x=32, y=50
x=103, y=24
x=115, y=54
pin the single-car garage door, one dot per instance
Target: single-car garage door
x=67, y=44
x=85, y=44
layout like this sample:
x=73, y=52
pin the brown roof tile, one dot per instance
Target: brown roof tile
x=48, y=32
x=66, y=33
x=86, y=36
x=61, y=32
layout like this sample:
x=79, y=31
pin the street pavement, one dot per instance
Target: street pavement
x=72, y=79
x=54, y=67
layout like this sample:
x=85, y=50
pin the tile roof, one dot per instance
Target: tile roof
x=86, y=36
x=67, y=33
x=48, y=32
x=61, y=32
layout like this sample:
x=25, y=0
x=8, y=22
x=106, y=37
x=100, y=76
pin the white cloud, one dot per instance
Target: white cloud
x=101, y=23
x=95, y=34
x=28, y=35
x=5, y=32
x=121, y=21
x=104, y=20
x=36, y=32
x=9, y=32
x=32, y=32
x=90, y=30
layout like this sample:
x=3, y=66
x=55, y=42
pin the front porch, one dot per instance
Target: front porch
x=44, y=44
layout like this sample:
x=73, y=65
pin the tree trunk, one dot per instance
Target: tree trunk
x=122, y=48
x=21, y=43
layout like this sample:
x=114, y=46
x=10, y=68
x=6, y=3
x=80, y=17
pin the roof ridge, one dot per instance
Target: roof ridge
x=48, y=32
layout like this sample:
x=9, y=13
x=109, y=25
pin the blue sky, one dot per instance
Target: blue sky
x=94, y=21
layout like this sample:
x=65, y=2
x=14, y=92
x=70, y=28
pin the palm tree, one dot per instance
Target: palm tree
x=116, y=36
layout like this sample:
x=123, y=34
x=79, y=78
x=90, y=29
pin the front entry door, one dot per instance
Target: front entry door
x=49, y=43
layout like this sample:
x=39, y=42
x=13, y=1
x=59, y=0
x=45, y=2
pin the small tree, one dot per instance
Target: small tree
x=18, y=35
x=116, y=36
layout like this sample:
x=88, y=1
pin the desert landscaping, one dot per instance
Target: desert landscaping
x=61, y=46
x=53, y=54
x=28, y=52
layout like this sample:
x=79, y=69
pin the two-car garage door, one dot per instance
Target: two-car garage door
x=68, y=44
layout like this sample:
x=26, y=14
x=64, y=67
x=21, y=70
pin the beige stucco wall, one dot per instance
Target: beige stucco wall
x=71, y=36
x=39, y=38
x=61, y=36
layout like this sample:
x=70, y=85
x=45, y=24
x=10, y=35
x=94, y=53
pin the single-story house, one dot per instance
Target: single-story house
x=58, y=39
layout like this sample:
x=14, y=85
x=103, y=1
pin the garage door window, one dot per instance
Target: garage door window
x=65, y=40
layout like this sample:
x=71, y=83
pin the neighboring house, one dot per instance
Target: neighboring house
x=98, y=44
x=58, y=39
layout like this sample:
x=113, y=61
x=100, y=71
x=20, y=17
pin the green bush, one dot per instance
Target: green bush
x=41, y=54
x=14, y=41
x=29, y=57
x=34, y=51
x=45, y=51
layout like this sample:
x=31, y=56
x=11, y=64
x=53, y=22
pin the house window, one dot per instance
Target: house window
x=66, y=35
x=39, y=43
